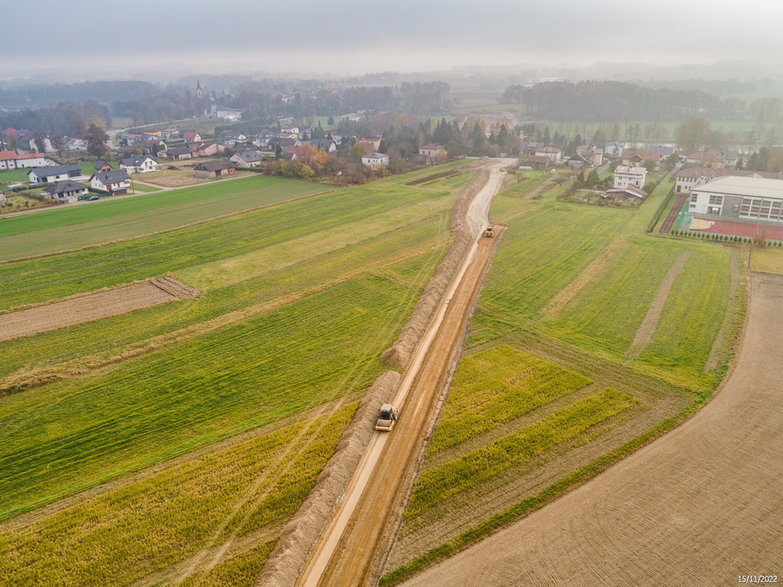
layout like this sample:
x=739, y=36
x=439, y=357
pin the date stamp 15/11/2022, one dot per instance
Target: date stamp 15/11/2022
x=758, y=579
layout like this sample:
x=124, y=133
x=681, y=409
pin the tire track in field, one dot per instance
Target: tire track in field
x=717, y=346
x=588, y=276
x=299, y=444
x=647, y=328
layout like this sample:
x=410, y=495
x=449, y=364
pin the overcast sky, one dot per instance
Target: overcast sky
x=352, y=36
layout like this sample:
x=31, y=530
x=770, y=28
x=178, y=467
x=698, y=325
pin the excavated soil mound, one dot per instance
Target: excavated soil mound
x=289, y=556
x=92, y=307
x=399, y=354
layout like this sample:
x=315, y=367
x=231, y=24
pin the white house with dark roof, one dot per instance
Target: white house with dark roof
x=249, y=158
x=65, y=191
x=116, y=181
x=139, y=164
x=53, y=173
x=375, y=160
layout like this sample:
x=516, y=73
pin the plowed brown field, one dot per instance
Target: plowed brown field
x=90, y=307
x=700, y=506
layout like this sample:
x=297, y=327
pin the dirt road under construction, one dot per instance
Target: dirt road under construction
x=349, y=550
x=703, y=505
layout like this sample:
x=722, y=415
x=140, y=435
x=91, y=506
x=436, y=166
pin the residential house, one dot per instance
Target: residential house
x=102, y=166
x=635, y=158
x=65, y=191
x=625, y=176
x=249, y=158
x=375, y=160
x=220, y=168
x=290, y=131
x=554, y=154
x=284, y=143
x=116, y=181
x=12, y=160
x=664, y=151
x=231, y=138
x=191, y=136
x=139, y=164
x=578, y=162
x=373, y=142
x=706, y=159
x=327, y=145
x=289, y=153
x=433, y=152
x=613, y=150
x=53, y=173
x=208, y=149
x=538, y=161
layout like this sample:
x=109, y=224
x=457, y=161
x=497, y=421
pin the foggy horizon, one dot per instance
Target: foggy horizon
x=349, y=38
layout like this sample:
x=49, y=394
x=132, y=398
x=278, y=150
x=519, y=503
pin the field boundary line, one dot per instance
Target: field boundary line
x=165, y=231
x=647, y=328
x=28, y=378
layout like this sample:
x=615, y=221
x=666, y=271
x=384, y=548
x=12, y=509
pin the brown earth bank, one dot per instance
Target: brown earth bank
x=702, y=505
x=92, y=307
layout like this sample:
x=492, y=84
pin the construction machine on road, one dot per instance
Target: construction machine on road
x=387, y=416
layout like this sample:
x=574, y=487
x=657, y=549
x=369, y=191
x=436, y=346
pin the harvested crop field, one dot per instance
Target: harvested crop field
x=702, y=505
x=92, y=307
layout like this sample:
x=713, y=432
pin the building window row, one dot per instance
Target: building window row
x=762, y=208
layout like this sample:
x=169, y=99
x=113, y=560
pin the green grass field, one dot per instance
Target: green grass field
x=297, y=301
x=79, y=226
x=548, y=395
x=173, y=514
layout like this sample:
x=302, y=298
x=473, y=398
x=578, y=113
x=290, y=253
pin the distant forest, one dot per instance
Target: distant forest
x=68, y=109
x=604, y=101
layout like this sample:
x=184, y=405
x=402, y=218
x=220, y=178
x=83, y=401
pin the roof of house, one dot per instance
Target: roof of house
x=431, y=146
x=538, y=159
x=100, y=163
x=115, y=176
x=759, y=187
x=8, y=155
x=61, y=187
x=625, y=170
x=136, y=160
x=376, y=155
x=249, y=156
x=643, y=155
x=322, y=143
x=177, y=150
x=52, y=170
x=190, y=135
x=696, y=171
x=215, y=165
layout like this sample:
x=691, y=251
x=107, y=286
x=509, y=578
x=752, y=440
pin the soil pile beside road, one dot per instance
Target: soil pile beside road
x=399, y=354
x=287, y=559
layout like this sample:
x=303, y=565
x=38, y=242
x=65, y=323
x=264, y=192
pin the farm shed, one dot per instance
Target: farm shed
x=220, y=168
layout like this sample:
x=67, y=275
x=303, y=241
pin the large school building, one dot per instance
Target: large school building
x=739, y=198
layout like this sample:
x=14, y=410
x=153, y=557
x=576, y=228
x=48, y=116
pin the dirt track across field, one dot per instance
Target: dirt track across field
x=352, y=543
x=699, y=506
x=92, y=307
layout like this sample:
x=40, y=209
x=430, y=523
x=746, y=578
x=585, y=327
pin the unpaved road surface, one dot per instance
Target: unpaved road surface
x=90, y=307
x=347, y=552
x=699, y=506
